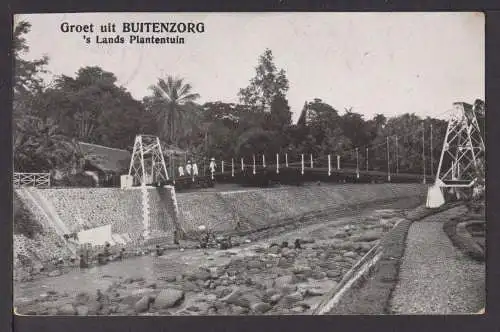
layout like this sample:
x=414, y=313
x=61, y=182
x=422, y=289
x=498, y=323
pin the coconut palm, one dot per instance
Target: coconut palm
x=174, y=95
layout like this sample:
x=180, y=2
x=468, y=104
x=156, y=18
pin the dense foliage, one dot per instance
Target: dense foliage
x=91, y=107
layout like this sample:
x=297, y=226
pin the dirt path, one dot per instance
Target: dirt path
x=435, y=277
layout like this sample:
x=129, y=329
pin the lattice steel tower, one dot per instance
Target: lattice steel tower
x=147, y=164
x=463, y=148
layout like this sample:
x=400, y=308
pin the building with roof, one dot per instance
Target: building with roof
x=105, y=164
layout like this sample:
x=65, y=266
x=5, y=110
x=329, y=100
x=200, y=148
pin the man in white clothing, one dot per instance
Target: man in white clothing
x=212, y=165
x=195, y=169
x=181, y=171
x=188, y=167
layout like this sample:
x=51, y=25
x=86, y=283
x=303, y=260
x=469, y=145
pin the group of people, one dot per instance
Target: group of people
x=102, y=257
x=190, y=169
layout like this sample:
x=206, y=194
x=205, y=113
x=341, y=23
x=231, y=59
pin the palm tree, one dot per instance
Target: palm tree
x=173, y=94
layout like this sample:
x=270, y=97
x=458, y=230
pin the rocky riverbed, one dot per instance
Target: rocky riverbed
x=263, y=277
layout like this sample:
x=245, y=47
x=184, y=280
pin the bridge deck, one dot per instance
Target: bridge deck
x=292, y=175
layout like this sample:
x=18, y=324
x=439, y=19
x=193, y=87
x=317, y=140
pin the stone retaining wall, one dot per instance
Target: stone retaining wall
x=254, y=209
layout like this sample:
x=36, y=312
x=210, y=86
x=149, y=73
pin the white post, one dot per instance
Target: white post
x=423, y=149
x=329, y=166
x=277, y=163
x=254, y=164
x=232, y=167
x=311, y=160
x=222, y=166
x=212, y=170
x=264, y=161
x=366, y=159
x=357, y=163
x=338, y=162
x=286, y=159
x=397, y=156
x=432, y=158
x=242, y=165
x=388, y=163
x=302, y=164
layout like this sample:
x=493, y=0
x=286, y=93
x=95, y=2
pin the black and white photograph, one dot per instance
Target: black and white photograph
x=221, y=164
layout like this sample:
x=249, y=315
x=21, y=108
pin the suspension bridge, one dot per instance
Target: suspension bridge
x=462, y=150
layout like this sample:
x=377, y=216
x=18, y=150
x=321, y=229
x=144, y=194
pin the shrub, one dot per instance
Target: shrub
x=76, y=180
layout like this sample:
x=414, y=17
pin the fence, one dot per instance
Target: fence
x=39, y=180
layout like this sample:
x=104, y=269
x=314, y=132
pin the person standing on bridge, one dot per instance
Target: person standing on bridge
x=181, y=171
x=212, y=166
x=195, y=169
x=188, y=167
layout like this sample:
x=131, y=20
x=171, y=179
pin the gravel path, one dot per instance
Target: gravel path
x=435, y=277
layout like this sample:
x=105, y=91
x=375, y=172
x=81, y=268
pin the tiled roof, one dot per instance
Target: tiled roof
x=105, y=158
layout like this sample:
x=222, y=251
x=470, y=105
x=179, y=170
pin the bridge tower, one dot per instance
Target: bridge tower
x=461, y=155
x=147, y=164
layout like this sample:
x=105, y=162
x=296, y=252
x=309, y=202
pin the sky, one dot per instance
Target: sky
x=389, y=63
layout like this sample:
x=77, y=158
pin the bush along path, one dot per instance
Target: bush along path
x=461, y=237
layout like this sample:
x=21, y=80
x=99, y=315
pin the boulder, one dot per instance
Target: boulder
x=168, y=298
x=284, y=281
x=274, y=250
x=318, y=275
x=265, y=283
x=237, y=310
x=302, y=269
x=255, y=264
x=54, y=273
x=333, y=273
x=314, y=292
x=170, y=278
x=340, y=235
x=189, y=286
x=82, y=298
x=367, y=236
x=260, y=307
x=284, y=263
x=287, y=289
x=94, y=307
x=351, y=254
x=241, y=299
x=199, y=274
x=143, y=304
x=66, y=310
x=293, y=297
x=364, y=246
x=82, y=310
x=232, y=296
x=275, y=298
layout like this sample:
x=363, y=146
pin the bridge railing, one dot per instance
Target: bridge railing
x=39, y=180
